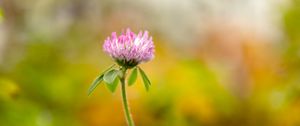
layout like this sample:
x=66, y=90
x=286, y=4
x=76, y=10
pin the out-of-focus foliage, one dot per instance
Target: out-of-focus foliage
x=1, y=15
x=213, y=65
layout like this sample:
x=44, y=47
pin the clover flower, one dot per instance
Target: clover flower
x=128, y=50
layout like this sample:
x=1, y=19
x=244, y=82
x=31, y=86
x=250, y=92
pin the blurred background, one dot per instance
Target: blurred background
x=217, y=62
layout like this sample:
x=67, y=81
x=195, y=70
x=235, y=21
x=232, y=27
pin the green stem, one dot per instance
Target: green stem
x=124, y=98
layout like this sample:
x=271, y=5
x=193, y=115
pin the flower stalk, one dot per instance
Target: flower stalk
x=129, y=119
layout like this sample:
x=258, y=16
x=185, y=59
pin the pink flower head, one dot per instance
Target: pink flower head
x=129, y=49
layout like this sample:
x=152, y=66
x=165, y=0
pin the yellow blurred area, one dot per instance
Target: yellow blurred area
x=217, y=63
x=8, y=89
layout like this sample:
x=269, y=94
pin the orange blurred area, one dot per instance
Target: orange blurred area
x=217, y=63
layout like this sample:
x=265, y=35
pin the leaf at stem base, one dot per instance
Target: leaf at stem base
x=146, y=81
x=110, y=76
x=133, y=76
x=98, y=80
x=95, y=83
x=113, y=86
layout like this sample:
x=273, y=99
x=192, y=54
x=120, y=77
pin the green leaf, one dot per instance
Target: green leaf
x=113, y=86
x=132, y=77
x=145, y=79
x=110, y=76
x=97, y=81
